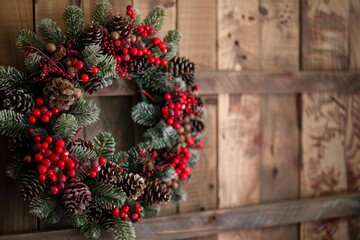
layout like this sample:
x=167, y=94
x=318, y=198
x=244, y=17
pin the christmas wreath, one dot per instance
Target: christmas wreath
x=87, y=181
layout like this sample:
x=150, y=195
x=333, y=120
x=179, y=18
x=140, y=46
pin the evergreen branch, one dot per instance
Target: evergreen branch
x=54, y=217
x=138, y=19
x=32, y=62
x=104, y=144
x=85, y=112
x=194, y=158
x=77, y=220
x=73, y=18
x=42, y=206
x=156, y=18
x=65, y=126
x=178, y=196
x=91, y=230
x=16, y=170
x=145, y=114
x=92, y=55
x=166, y=175
x=107, y=71
x=119, y=156
x=12, y=124
x=124, y=230
x=172, y=51
x=161, y=136
x=49, y=31
x=13, y=79
x=102, y=13
x=83, y=154
x=150, y=211
x=154, y=80
x=173, y=36
x=106, y=195
x=26, y=39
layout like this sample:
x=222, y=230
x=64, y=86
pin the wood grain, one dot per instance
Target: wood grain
x=352, y=137
x=197, y=23
x=279, y=170
x=50, y=9
x=14, y=212
x=325, y=47
x=212, y=222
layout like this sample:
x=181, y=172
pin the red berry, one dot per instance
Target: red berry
x=61, y=164
x=176, y=125
x=170, y=121
x=200, y=144
x=60, y=143
x=54, y=157
x=196, y=87
x=79, y=65
x=85, y=77
x=129, y=7
x=167, y=97
x=30, y=130
x=74, y=61
x=125, y=208
x=129, y=12
x=134, y=216
x=49, y=113
x=62, y=178
x=156, y=41
x=132, y=16
x=53, y=178
x=38, y=157
x=151, y=59
x=32, y=120
x=35, y=112
x=140, y=53
x=140, y=29
x=144, y=34
x=42, y=177
x=39, y=101
x=171, y=105
x=134, y=51
x=138, y=220
x=136, y=205
x=37, y=146
x=147, y=27
x=117, y=42
x=151, y=31
x=61, y=185
x=157, y=61
x=102, y=160
x=55, y=110
x=42, y=169
x=46, y=163
x=117, y=58
x=162, y=45
x=94, y=70
x=50, y=172
x=44, y=145
x=183, y=176
x=92, y=174
x=122, y=214
x=190, y=141
x=115, y=212
x=54, y=190
x=37, y=138
x=48, y=139
x=48, y=153
x=125, y=50
x=65, y=153
x=163, y=62
x=164, y=50
x=43, y=110
x=70, y=164
x=95, y=164
x=45, y=118
x=126, y=58
x=71, y=172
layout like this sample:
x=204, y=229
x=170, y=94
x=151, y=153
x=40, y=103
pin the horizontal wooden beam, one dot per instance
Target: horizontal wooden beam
x=259, y=83
x=212, y=222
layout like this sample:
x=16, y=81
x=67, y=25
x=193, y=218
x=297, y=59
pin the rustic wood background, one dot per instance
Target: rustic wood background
x=280, y=80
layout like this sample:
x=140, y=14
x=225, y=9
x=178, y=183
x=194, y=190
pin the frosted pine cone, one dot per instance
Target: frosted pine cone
x=76, y=197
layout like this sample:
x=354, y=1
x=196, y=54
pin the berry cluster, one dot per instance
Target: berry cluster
x=41, y=112
x=129, y=12
x=127, y=214
x=179, y=160
x=145, y=30
x=75, y=65
x=96, y=167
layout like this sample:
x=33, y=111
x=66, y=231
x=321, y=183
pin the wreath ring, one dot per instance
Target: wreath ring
x=86, y=180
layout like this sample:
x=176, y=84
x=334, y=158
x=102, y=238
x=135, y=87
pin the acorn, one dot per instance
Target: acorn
x=115, y=35
x=51, y=47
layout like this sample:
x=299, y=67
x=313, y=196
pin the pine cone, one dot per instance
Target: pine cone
x=92, y=86
x=138, y=64
x=30, y=186
x=84, y=143
x=76, y=197
x=61, y=93
x=182, y=67
x=119, y=23
x=92, y=35
x=15, y=144
x=107, y=222
x=109, y=173
x=133, y=185
x=156, y=193
x=19, y=101
x=197, y=125
x=93, y=213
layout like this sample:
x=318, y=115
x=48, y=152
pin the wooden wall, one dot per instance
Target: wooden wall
x=280, y=82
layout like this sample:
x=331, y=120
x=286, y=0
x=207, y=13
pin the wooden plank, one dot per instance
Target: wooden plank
x=280, y=141
x=197, y=23
x=231, y=82
x=239, y=115
x=50, y=9
x=325, y=47
x=217, y=221
x=352, y=137
x=170, y=7
x=15, y=217
x=117, y=6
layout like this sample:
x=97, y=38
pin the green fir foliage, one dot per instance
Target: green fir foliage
x=42, y=206
x=26, y=39
x=92, y=55
x=77, y=220
x=160, y=136
x=73, y=18
x=154, y=80
x=85, y=112
x=16, y=170
x=32, y=62
x=49, y=31
x=194, y=158
x=65, y=126
x=106, y=195
x=156, y=18
x=178, y=196
x=150, y=211
x=138, y=19
x=145, y=114
x=165, y=175
x=12, y=124
x=91, y=230
x=84, y=154
x=173, y=36
x=13, y=79
x=102, y=13
x=104, y=144
x=107, y=71
x=124, y=230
